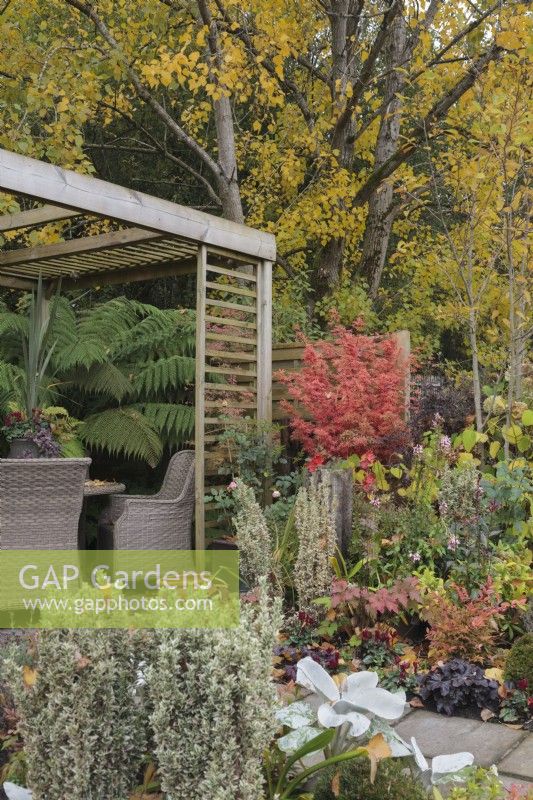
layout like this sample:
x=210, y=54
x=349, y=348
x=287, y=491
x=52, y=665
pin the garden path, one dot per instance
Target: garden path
x=510, y=750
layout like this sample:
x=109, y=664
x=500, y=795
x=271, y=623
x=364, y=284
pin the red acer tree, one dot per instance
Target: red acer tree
x=349, y=396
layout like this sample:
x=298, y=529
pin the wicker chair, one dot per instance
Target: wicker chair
x=40, y=502
x=161, y=521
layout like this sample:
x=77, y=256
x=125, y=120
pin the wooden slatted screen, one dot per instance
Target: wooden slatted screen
x=233, y=361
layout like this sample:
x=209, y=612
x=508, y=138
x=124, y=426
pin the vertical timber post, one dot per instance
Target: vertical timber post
x=199, y=409
x=264, y=341
x=264, y=348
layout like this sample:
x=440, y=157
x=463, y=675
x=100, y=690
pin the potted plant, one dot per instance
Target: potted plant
x=27, y=430
x=51, y=432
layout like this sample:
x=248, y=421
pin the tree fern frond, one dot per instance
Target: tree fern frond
x=174, y=423
x=157, y=334
x=123, y=431
x=82, y=353
x=109, y=321
x=165, y=373
x=12, y=379
x=13, y=324
x=105, y=379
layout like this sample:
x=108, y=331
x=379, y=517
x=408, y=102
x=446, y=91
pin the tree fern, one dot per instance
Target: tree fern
x=163, y=374
x=174, y=423
x=123, y=365
x=122, y=431
x=103, y=379
x=165, y=333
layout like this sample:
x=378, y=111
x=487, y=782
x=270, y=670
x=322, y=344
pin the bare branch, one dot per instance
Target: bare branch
x=87, y=10
x=424, y=128
x=366, y=72
x=161, y=147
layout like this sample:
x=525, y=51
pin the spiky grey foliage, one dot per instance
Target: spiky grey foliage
x=214, y=706
x=84, y=733
x=253, y=536
x=317, y=542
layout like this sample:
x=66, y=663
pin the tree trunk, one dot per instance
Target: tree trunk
x=344, y=22
x=228, y=179
x=380, y=206
x=228, y=182
x=472, y=334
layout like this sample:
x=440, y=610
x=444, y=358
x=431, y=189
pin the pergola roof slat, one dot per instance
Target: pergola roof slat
x=87, y=244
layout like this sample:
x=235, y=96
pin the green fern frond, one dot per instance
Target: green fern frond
x=13, y=324
x=174, y=423
x=163, y=333
x=82, y=353
x=12, y=380
x=108, y=321
x=156, y=334
x=6, y=398
x=122, y=431
x=166, y=373
x=103, y=379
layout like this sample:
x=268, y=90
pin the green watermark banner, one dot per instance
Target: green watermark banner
x=119, y=589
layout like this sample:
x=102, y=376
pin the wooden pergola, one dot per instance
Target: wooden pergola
x=151, y=238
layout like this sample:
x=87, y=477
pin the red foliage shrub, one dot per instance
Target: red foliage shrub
x=464, y=627
x=364, y=603
x=348, y=396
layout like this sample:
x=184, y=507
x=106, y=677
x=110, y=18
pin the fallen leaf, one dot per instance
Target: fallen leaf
x=29, y=676
x=416, y=702
x=494, y=674
x=503, y=691
x=336, y=784
x=82, y=662
x=487, y=714
x=377, y=749
x=513, y=727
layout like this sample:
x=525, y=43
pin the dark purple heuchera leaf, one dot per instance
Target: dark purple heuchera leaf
x=329, y=659
x=456, y=684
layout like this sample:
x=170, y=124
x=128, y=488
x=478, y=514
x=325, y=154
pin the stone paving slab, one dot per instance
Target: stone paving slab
x=509, y=781
x=519, y=761
x=437, y=734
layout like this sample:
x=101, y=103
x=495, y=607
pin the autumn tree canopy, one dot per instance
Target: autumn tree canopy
x=368, y=135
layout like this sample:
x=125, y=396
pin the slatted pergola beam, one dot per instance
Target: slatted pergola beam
x=83, y=193
x=35, y=216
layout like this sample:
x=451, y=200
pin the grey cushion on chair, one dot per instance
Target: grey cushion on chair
x=40, y=502
x=161, y=521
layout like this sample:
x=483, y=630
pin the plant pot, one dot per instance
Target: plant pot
x=23, y=448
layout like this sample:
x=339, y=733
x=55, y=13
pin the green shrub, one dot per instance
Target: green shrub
x=391, y=783
x=519, y=662
x=84, y=732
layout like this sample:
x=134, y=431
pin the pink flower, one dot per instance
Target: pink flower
x=376, y=502
x=453, y=542
x=232, y=486
x=445, y=444
x=276, y=494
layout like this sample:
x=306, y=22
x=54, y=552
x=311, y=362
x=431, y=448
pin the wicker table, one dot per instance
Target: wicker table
x=95, y=489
